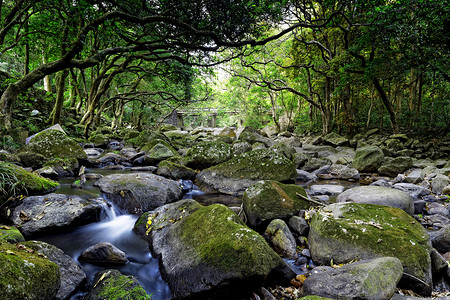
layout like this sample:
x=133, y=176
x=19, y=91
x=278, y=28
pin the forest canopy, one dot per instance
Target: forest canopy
x=298, y=65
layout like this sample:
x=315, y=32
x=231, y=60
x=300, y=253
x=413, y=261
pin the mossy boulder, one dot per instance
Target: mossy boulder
x=10, y=234
x=31, y=159
x=367, y=279
x=235, y=175
x=99, y=140
x=24, y=182
x=343, y=232
x=280, y=238
x=146, y=136
x=26, y=275
x=284, y=149
x=208, y=252
x=251, y=136
x=267, y=200
x=111, y=284
x=207, y=154
x=368, y=159
x=396, y=166
x=56, y=144
x=335, y=139
x=175, y=171
x=139, y=192
x=158, y=153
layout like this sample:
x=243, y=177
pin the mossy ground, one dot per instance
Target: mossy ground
x=223, y=241
x=26, y=275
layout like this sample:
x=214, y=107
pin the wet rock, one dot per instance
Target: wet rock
x=416, y=191
x=207, y=252
x=104, y=253
x=367, y=279
x=280, y=238
x=368, y=159
x=109, y=159
x=415, y=176
x=434, y=208
x=235, y=175
x=436, y=221
x=316, y=163
x=139, y=192
x=344, y=172
x=207, y=154
x=305, y=176
x=26, y=275
x=325, y=189
x=298, y=226
x=111, y=284
x=175, y=171
x=439, y=265
x=267, y=200
x=396, y=166
x=380, y=196
x=438, y=183
x=53, y=213
x=71, y=275
x=347, y=231
x=158, y=153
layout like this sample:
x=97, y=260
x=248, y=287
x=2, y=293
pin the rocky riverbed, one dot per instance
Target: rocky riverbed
x=231, y=214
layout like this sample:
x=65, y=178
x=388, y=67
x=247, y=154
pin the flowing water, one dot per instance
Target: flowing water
x=115, y=227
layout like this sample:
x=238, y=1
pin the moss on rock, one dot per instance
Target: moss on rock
x=26, y=275
x=347, y=231
x=55, y=144
x=267, y=200
x=10, y=234
x=207, y=154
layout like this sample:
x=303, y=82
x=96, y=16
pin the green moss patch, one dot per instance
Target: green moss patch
x=10, y=234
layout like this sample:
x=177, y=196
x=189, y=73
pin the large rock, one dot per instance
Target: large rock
x=139, y=192
x=54, y=212
x=158, y=153
x=441, y=239
x=253, y=136
x=18, y=181
x=104, y=253
x=26, y=275
x=208, y=252
x=368, y=159
x=343, y=232
x=396, y=166
x=280, y=238
x=235, y=175
x=10, y=234
x=54, y=143
x=111, y=284
x=368, y=279
x=267, y=200
x=175, y=171
x=207, y=154
x=335, y=139
x=71, y=275
x=284, y=149
x=379, y=195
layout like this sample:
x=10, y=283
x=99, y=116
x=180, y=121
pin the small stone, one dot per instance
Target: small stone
x=104, y=253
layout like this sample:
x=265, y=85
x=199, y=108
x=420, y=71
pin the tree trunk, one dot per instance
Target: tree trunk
x=55, y=115
x=387, y=104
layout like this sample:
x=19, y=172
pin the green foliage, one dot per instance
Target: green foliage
x=8, y=180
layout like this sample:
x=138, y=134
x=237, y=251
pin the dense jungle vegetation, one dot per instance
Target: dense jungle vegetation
x=300, y=65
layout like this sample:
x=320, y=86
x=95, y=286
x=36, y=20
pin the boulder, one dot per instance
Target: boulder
x=18, y=181
x=396, y=166
x=367, y=279
x=99, y=140
x=441, y=239
x=335, y=139
x=253, y=136
x=30, y=159
x=111, y=284
x=139, y=192
x=54, y=212
x=175, y=171
x=368, y=159
x=104, y=253
x=325, y=189
x=284, y=149
x=280, y=238
x=54, y=143
x=240, y=148
x=158, y=153
x=207, y=154
x=379, y=195
x=416, y=191
x=235, y=175
x=267, y=200
x=27, y=275
x=438, y=183
x=316, y=163
x=208, y=252
x=343, y=232
x=298, y=226
x=71, y=275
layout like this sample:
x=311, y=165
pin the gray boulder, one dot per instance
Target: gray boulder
x=158, y=153
x=175, y=171
x=438, y=183
x=380, y=196
x=54, y=212
x=280, y=238
x=240, y=148
x=416, y=191
x=139, y=192
x=368, y=159
x=344, y=172
x=316, y=163
x=298, y=226
x=104, y=253
x=343, y=232
x=235, y=175
x=207, y=154
x=396, y=166
x=208, y=252
x=325, y=189
x=284, y=149
x=335, y=139
x=441, y=239
x=71, y=275
x=374, y=279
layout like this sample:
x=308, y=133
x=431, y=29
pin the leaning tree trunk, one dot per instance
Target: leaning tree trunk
x=387, y=104
x=55, y=115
